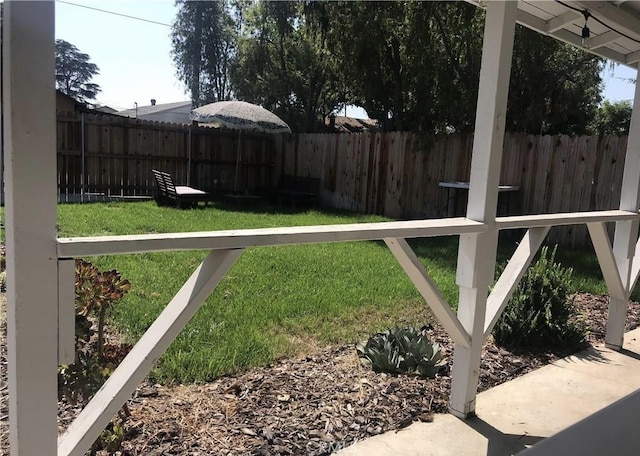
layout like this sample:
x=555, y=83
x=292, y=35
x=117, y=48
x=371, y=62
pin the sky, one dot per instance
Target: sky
x=135, y=61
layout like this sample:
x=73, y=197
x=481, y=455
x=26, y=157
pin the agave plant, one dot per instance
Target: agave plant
x=402, y=351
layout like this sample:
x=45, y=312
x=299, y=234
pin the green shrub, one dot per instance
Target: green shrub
x=402, y=351
x=540, y=314
x=96, y=292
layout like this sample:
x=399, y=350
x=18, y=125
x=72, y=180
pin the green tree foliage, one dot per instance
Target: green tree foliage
x=402, y=66
x=541, y=313
x=74, y=72
x=204, y=38
x=612, y=118
x=285, y=64
x=414, y=65
x=420, y=63
x=555, y=88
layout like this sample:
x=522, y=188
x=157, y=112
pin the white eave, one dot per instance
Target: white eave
x=615, y=41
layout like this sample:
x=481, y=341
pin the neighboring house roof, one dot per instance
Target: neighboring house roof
x=154, y=109
x=106, y=109
x=66, y=103
x=351, y=124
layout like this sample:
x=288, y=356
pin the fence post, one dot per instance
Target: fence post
x=82, y=176
x=189, y=158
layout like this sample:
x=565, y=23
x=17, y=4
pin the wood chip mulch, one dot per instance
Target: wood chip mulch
x=313, y=405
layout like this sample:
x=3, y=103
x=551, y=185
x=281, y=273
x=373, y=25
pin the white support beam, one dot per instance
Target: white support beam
x=510, y=277
x=428, y=289
x=608, y=265
x=477, y=252
x=155, y=341
x=633, y=58
x=535, y=23
x=562, y=20
x=626, y=233
x=604, y=39
x=567, y=218
x=66, y=311
x=576, y=40
x=30, y=163
x=233, y=239
x=623, y=20
x=531, y=21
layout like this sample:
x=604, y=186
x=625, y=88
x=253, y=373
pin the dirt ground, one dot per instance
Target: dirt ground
x=312, y=405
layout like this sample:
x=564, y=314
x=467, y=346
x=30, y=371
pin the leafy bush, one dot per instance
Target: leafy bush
x=96, y=292
x=402, y=351
x=540, y=314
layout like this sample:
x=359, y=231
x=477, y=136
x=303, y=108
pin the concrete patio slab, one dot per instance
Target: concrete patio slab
x=574, y=395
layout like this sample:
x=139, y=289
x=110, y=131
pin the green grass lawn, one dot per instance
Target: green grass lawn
x=275, y=301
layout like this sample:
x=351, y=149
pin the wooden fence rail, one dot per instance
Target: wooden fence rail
x=398, y=174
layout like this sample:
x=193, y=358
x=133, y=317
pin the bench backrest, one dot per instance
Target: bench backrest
x=165, y=184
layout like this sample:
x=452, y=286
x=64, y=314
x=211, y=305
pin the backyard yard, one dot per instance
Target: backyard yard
x=276, y=301
x=268, y=365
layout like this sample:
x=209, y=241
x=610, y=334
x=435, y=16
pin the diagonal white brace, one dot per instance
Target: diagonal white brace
x=123, y=382
x=513, y=272
x=635, y=267
x=607, y=260
x=428, y=289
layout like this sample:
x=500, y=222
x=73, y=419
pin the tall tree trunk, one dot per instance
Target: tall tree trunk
x=197, y=56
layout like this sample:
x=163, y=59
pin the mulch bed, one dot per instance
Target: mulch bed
x=313, y=405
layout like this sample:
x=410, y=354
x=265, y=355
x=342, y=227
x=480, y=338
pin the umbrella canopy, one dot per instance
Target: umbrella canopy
x=240, y=115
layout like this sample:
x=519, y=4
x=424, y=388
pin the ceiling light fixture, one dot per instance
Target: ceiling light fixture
x=586, y=33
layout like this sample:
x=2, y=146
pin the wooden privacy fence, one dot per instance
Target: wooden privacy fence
x=114, y=156
x=398, y=174
x=393, y=174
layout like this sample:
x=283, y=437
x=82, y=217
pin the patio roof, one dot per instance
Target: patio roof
x=614, y=26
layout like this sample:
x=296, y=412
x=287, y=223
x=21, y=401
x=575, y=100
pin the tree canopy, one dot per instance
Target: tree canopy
x=413, y=65
x=205, y=37
x=74, y=72
x=612, y=118
x=285, y=64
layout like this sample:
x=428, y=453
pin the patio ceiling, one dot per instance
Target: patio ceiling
x=614, y=26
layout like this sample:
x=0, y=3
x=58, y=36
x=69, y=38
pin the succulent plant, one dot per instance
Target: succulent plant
x=402, y=351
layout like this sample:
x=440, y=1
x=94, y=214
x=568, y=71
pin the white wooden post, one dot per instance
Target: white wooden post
x=30, y=163
x=477, y=252
x=626, y=234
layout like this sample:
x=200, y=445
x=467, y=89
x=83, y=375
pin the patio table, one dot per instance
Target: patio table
x=454, y=187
